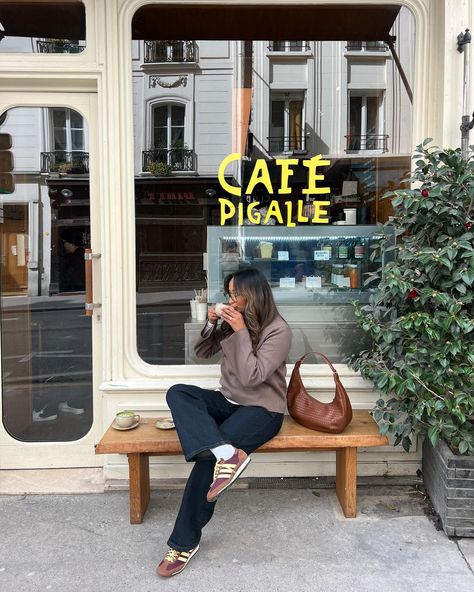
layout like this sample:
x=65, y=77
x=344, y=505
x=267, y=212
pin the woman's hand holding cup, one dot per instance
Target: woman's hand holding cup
x=233, y=317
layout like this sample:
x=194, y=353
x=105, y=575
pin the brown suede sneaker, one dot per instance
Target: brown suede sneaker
x=226, y=472
x=174, y=562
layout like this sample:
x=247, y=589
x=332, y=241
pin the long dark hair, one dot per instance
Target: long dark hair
x=260, y=309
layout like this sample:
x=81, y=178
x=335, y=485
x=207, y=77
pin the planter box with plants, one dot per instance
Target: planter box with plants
x=449, y=479
x=421, y=321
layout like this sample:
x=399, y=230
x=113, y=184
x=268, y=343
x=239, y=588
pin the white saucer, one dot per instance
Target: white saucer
x=165, y=423
x=116, y=427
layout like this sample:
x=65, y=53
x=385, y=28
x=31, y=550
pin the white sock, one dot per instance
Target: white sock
x=223, y=452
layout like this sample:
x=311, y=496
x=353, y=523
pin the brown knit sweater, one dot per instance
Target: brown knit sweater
x=246, y=378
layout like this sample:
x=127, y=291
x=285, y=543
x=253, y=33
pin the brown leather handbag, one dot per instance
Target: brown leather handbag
x=330, y=417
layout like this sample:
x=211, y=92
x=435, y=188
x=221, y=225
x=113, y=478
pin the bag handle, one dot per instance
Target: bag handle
x=298, y=363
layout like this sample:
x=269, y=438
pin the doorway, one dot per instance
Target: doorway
x=48, y=366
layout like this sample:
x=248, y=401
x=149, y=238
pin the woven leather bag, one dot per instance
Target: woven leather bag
x=330, y=417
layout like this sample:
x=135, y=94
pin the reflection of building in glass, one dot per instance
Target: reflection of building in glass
x=341, y=99
x=51, y=189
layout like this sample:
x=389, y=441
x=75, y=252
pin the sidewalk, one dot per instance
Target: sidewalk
x=259, y=540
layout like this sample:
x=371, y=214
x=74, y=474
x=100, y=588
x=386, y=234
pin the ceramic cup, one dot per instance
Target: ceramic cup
x=125, y=419
x=193, y=303
x=201, y=311
x=219, y=307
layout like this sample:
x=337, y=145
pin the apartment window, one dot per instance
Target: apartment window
x=288, y=46
x=168, y=126
x=68, y=130
x=366, y=123
x=168, y=152
x=366, y=46
x=68, y=144
x=287, y=122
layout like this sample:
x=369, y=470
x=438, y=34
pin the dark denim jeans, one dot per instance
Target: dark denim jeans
x=205, y=419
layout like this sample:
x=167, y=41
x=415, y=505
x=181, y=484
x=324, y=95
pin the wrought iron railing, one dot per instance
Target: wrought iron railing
x=169, y=51
x=356, y=143
x=289, y=46
x=177, y=158
x=286, y=144
x=59, y=47
x=366, y=46
x=68, y=163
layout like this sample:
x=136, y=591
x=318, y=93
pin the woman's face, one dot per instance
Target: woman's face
x=236, y=300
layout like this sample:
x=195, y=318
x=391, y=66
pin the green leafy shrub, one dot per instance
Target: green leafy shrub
x=160, y=168
x=421, y=316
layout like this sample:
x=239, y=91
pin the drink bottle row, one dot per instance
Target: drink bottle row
x=343, y=249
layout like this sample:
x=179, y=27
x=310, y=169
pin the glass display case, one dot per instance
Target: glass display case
x=304, y=265
x=315, y=272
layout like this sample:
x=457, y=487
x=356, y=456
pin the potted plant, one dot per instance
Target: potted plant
x=421, y=321
x=161, y=169
x=64, y=168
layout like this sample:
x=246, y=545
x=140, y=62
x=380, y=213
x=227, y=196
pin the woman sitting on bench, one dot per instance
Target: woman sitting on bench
x=219, y=429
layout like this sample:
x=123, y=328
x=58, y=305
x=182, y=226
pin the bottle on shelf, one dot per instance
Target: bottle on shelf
x=337, y=274
x=342, y=250
x=328, y=248
x=359, y=249
x=351, y=272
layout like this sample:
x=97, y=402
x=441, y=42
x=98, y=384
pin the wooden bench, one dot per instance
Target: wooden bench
x=146, y=440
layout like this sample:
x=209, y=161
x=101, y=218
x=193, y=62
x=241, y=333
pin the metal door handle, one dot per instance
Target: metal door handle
x=89, y=304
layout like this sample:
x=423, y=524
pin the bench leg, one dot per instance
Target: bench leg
x=346, y=480
x=139, y=482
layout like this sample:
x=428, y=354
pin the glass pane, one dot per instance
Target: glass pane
x=191, y=233
x=355, y=122
x=46, y=337
x=43, y=27
x=161, y=137
x=177, y=115
x=77, y=121
x=161, y=115
x=372, y=115
x=177, y=137
x=77, y=138
x=59, y=117
x=60, y=141
x=277, y=126
x=278, y=45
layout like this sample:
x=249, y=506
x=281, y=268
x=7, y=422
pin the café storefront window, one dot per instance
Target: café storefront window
x=192, y=228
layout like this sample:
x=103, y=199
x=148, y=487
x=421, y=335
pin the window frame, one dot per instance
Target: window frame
x=287, y=97
x=68, y=130
x=170, y=100
x=169, y=123
x=380, y=94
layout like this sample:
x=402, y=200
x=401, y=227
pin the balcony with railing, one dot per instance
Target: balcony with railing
x=157, y=52
x=174, y=159
x=67, y=163
x=366, y=46
x=281, y=144
x=59, y=46
x=373, y=142
x=289, y=46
